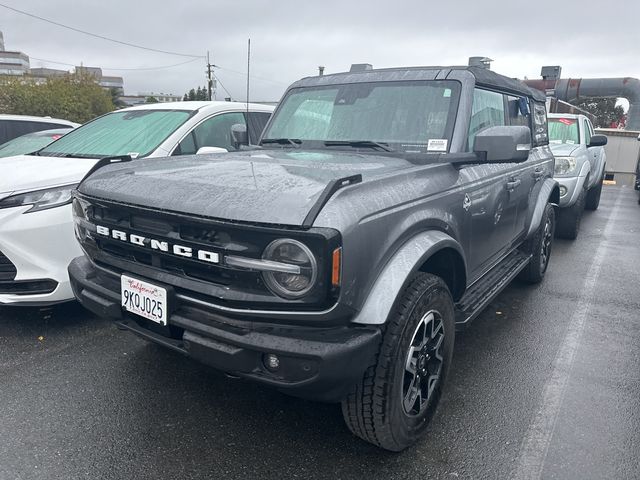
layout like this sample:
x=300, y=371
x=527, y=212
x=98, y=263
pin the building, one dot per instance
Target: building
x=103, y=80
x=17, y=63
x=141, y=97
x=12, y=63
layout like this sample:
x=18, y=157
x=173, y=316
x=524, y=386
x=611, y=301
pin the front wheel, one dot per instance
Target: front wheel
x=397, y=397
x=569, y=219
x=593, y=196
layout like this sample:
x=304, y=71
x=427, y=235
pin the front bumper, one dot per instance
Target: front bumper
x=40, y=246
x=574, y=186
x=317, y=363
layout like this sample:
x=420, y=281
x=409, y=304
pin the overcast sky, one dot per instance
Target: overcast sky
x=290, y=38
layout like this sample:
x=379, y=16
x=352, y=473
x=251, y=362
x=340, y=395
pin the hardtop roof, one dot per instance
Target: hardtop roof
x=483, y=77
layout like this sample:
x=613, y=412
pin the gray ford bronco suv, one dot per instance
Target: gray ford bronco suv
x=383, y=209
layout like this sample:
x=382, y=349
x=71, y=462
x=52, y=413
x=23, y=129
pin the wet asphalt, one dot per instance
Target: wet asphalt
x=554, y=366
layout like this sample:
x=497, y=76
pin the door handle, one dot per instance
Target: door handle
x=512, y=184
x=538, y=173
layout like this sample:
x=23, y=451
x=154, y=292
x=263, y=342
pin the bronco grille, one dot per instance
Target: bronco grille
x=7, y=269
x=184, y=251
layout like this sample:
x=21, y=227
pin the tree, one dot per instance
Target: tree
x=76, y=97
x=115, y=98
x=200, y=94
x=151, y=100
x=605, y=110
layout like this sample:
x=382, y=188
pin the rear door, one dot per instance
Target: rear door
x=493, y=201
x=527, y=174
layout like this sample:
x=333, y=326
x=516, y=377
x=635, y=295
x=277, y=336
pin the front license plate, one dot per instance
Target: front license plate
x=144, y=299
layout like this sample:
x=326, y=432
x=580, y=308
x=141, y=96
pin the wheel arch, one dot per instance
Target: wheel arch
x=432, y=252
x=549, y=192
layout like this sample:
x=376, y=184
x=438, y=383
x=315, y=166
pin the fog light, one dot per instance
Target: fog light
x=563, y=190
x=271, y=361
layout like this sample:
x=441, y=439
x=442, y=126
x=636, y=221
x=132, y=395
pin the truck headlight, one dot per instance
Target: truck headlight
x=565, y=165
x=40, y=199
x=296, y=254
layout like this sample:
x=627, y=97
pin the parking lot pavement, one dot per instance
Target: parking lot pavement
x=545, y=384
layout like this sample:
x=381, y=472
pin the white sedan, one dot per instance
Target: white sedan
x=36, y=228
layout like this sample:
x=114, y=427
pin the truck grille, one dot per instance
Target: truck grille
x=212, y=236
x=126, y=239
x=7, y=269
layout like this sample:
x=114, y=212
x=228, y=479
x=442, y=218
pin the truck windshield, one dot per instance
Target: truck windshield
x=403, y=116
x=563, y=130
x=136, y=132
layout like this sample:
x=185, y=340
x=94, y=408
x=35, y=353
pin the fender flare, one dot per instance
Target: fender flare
x=549, y=193
x=398, y=270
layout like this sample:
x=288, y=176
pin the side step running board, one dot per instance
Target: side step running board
x=488, y=287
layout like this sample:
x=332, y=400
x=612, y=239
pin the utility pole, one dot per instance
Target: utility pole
x=209, y=78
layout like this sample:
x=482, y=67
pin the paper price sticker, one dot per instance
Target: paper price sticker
x=437, y=145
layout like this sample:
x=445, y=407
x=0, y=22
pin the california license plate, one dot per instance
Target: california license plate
x=144, y=299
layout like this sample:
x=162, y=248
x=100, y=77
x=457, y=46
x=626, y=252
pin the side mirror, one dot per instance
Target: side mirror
x=205, y=150
x=504, y=144
x=598, y=141
x=239, y=135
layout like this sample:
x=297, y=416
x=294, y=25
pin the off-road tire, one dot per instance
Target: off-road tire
x=374, y=409
x=568, y=221
x=593, y=196
x=539, y=247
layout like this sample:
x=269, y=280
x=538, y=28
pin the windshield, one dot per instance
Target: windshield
x=563, y=130
x=30, y=142
x=137, y=133
x=414, y=117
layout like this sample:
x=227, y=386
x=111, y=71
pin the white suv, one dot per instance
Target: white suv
x=36, y=228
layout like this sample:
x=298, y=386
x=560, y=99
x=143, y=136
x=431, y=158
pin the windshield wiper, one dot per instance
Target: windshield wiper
x=282, y=141
x=359, y=143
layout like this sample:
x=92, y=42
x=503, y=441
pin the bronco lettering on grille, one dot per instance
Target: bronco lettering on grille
x=154, y=244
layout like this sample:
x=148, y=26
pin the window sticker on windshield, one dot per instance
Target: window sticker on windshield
x=447, y=93
x=437, y=145
x=567, y=121
x=133, y=154
x=571, y=142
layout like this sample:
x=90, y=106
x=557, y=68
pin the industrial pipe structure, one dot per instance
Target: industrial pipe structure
x=575, y=89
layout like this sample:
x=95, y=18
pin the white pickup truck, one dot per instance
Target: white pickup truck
x=580, y=165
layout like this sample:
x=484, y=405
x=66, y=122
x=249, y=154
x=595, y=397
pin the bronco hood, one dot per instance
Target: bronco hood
x=24, y=173
x=261, y=186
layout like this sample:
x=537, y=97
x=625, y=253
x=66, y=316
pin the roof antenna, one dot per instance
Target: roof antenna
x=248, y=69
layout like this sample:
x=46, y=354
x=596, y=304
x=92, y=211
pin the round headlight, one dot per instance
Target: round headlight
x=292, y=252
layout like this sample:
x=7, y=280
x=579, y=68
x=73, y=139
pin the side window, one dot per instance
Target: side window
x=587, y=132
x=487, y=111
x=187, y=146
x=540, y=125
x=518, y=111
x=213, y=132
x=255, y=125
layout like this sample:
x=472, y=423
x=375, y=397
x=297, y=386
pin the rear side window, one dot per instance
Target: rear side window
x=10, y=129
x=518, y=111
x=540, y=125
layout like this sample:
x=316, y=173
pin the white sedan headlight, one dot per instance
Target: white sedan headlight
x=40, y=199
x=565, y=165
